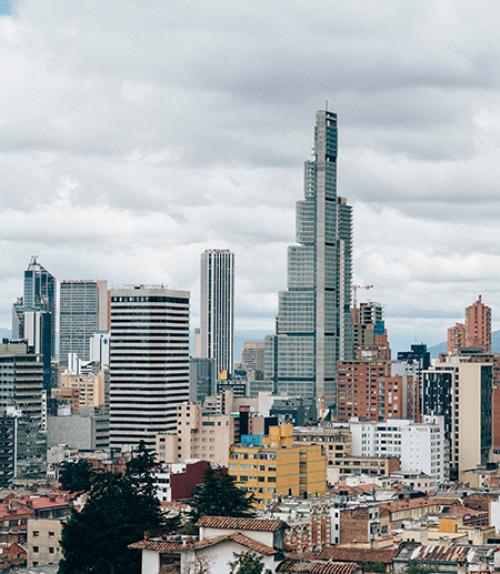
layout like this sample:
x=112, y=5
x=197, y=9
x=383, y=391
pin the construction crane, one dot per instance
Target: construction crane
x=355, y=293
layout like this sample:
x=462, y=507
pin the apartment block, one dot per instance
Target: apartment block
x=274, y=465
x=44, y=541
x=460, y=391
x=420, y=447
x=198, y=436
x=376, y=391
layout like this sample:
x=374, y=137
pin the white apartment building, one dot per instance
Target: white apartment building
x=421, y=447
x=149, y=363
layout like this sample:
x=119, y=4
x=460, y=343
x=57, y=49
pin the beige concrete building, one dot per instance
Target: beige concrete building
x=44, y=541
x=91, y=388
x=459, y=389
x=201, y=437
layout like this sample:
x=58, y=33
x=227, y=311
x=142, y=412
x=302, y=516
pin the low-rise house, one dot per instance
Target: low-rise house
x=220, y=539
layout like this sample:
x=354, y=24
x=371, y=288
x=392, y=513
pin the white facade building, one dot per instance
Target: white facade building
x=149, y=363
x=421, y=447
x=217, y=308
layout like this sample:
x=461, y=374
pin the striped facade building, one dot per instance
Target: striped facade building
x=149, y=362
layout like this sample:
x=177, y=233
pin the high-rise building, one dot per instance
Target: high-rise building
x=460, y=391
x=149, y=362
x=34, y=315
x=83, y=312
x=252, y=357
x=371, y=341
x=202, y=378
x=217, y=307
x=314, y=324
x=21, y=393
x=456, y=338
x=478, y=325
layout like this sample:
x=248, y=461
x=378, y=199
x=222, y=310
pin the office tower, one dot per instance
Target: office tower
x=202, y=378
x=33, y=315
x=21, y=394
x=314, y=324
x=83, y=311
x=478, y=325
x=456, y=338
x=217, y=307
x=252, y=358
x=460, y=391
x=149, y=362
x=40, y=293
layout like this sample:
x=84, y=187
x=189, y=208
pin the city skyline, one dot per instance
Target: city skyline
x=219, y=166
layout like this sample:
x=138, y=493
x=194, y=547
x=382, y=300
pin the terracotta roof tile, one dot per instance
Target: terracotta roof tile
x=233, y=523
x=441, y=553
x=177, y=548
x=350, y=554
x=317, y=567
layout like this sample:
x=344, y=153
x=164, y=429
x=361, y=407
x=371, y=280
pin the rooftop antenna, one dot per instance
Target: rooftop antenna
x=326, y=105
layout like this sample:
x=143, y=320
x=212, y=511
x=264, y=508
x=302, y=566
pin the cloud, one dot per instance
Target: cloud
x=136, y=134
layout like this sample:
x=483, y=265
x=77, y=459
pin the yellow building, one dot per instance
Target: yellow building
x=277, y=466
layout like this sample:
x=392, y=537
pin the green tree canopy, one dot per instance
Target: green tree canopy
x=247, y=563
x=76, y=476
x=218, y=495
x=118, y=511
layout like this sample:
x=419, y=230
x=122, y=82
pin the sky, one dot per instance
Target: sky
x=134, y=134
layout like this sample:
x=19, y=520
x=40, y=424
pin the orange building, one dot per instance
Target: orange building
x=371, y=391
x=478, y=325
x=456, y=338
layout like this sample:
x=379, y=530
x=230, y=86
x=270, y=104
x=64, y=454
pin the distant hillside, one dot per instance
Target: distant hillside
x=443, y=347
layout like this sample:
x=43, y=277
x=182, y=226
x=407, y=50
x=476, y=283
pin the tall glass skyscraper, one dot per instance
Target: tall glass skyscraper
x=34, y=315
x=217, y=308
x=314, y=324
x=83, y=312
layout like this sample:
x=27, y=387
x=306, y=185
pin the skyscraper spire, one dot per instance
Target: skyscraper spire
x=314, y=325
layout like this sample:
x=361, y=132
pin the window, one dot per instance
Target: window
x=36, y=549
x=51, y=550
x=36, y=533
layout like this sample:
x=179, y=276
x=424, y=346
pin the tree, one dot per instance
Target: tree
x=248, y=563
x=76, y=476
x=118, y=511
x=218, y=495
x=414, y=567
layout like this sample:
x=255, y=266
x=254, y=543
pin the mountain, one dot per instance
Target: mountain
x=443, y=347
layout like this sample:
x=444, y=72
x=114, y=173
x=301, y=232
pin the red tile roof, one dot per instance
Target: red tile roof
x=233, y=523
x=351, y=554
x=441, y=553
x=421, y=502
x=176, y=548
x=317, y=567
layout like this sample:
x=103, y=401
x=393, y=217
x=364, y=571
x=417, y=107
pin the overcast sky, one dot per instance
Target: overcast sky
x=134, y=134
